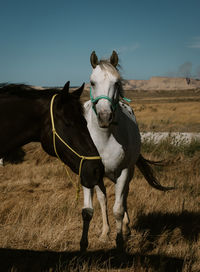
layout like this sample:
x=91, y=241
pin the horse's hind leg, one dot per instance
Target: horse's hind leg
x=120, y=212
x=125, y=228
x=101, y=195
x=120, y=207
x=87, y=213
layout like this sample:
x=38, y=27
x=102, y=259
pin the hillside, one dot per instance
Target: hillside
x=161, y=83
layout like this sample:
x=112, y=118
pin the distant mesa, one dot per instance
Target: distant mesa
x=161, y=83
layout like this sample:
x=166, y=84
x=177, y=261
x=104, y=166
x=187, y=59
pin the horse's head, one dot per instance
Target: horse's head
x=70, y=139
x=105, y=88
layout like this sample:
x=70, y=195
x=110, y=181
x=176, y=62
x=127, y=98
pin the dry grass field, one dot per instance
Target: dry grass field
x=40, y=221
x=164, y=111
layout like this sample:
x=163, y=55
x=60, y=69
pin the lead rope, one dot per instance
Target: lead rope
x=77, y=185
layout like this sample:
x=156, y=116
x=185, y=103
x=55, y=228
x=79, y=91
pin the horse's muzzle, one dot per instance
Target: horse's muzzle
x=105, y=118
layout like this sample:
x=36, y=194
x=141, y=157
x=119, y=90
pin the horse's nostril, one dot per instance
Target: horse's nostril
x=99, y=116
x=105, y=118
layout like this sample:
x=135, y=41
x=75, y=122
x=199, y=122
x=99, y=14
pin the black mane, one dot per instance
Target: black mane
x=23, y=90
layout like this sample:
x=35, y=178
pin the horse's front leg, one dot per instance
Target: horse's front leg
x=87, y=213
x=119, y=208
x=101, y=195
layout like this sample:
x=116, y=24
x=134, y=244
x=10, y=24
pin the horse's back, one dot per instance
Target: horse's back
x=20, y=116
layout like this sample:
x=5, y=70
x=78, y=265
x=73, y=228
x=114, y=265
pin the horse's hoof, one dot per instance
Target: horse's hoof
x=83, y=249
x=83, y=246
x=120, y=242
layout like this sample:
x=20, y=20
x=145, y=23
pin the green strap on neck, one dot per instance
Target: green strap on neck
x=113, y=105
x=126, y=99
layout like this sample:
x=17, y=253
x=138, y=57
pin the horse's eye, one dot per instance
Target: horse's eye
x=117, y=84
x=92, y=83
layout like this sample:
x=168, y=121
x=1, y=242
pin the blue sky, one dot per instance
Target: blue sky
x=46, y=42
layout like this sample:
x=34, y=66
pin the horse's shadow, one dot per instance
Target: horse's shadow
x=24, y=260
x=156, y=223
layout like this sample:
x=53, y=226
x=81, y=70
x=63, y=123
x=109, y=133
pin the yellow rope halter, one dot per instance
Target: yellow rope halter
x=78, y=155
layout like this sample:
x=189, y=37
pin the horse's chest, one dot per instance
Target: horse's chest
x=112, y=155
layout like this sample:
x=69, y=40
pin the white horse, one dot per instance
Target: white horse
x=114, y=130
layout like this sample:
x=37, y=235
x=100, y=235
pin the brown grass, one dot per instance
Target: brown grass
x=175, y=116
x=167, y=110
x=40, y=221
x=38, y=212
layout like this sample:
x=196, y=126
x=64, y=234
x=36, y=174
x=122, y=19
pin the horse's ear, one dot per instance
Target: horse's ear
x=94, y=59
x=114, y=59
x=79, y=91
x=66, y=87
x=65, y=91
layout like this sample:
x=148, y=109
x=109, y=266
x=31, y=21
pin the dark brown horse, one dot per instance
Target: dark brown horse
x=25, y=117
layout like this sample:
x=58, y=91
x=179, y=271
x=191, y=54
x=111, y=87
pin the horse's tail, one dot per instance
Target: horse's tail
x=148, y=173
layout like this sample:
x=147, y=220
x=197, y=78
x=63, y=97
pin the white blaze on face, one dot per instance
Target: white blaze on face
x=103, y=83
